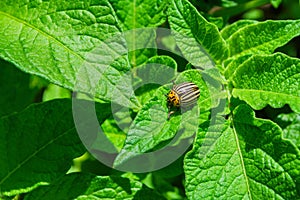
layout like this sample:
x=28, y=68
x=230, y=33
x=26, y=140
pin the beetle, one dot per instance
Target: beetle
x=183, y=95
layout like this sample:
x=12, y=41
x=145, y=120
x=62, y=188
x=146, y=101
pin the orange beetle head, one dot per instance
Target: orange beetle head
x=173, y=99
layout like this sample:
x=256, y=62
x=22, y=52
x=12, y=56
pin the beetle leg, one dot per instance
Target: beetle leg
x=170, y=113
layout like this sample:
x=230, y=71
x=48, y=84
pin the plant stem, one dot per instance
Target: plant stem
x=239, y=8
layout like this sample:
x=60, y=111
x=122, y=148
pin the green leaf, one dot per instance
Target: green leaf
x=157, y=68
x=247, y=161
x=141, y=45
x=55, y=92
x=37, y=145
x=112, y=130
x=157, y=71
x=262, y=37
x=72, y=44
x=133, y=15
x=254, y=14
x=218, y=21
x=232, y=64
x=213, y=167
x=198, y=39
x=140, y=14
x=16, y=92
x=234, y=27
x=276, y=3
x=274, y=162
x=151, y=129
x=165, y=186
x=88, y=186
x=268, y=79
x=290, y=123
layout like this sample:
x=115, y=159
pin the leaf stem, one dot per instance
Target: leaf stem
x=239, y=8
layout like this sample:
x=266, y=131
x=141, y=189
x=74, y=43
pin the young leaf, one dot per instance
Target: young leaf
x=231, y=64
x=234, y=27
x=71, y=44
x=198, y=39
x=88, y=186
x=38, y=144
x=247, y=161
x=268, y=79
x=262, y=37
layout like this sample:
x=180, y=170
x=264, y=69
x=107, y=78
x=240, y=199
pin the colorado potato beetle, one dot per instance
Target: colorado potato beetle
x=183, y=95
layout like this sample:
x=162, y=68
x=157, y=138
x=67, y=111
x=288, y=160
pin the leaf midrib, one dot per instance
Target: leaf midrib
x=241, y=159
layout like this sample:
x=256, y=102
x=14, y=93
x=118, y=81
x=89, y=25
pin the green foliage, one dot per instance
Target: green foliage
x=261, y=38
x=88, y=186
x=16, y=88
x=255, y=159
x=195, y=35
x=290, y=123
x=49, y=148
x=108, y=65
x=269, y=79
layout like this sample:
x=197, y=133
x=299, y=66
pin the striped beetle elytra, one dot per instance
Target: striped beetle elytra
x=183, y=95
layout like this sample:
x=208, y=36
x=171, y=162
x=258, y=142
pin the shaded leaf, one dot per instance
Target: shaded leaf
x=16, y=92
x=290, y=123
x=88, y=186
x=38, y=144
x=35, y=149
x=115, y=127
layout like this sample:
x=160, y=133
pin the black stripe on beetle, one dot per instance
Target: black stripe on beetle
x=183, y=95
